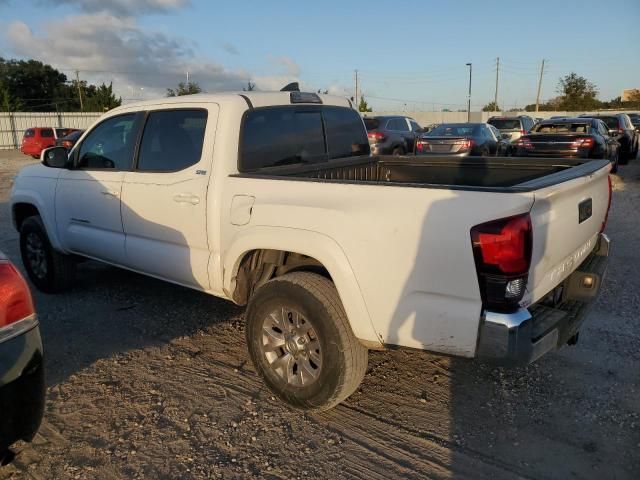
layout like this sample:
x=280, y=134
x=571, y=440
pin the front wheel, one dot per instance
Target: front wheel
x=301, y=343
x=50, y=271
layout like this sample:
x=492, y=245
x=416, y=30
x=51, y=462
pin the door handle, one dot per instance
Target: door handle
x=110, y=193
x=186, y=198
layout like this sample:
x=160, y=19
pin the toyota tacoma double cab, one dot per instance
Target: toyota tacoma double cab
x=273, y=200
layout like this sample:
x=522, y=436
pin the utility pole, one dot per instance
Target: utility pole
x=469, y=97
x=495, y=98
x=539, y=85
x=357, y=100
x=79, y=90
x=187, y=79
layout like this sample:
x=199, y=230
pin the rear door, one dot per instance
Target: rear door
x=566, y=219
x=164, y=199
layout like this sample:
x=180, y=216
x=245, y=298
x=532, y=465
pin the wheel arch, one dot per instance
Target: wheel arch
x=312, y=251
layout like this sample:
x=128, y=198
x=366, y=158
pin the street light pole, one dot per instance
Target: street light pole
x=469, y=97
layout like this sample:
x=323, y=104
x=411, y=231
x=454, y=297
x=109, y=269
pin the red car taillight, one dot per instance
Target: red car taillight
x=582, y=143
x=524, y=142
x=422, y=146
x=606, y=215
x=466, y=144
x=376, y=136
x=15, y=297
x=502, y=253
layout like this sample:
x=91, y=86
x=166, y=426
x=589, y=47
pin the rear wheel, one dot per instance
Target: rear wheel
x=301, y=343
x=49, y=270
x=398, y=151
x=614, y=163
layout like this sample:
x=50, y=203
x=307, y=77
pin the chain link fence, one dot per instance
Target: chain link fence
x=13, y=124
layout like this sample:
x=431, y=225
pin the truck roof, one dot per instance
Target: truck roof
x=253, y=99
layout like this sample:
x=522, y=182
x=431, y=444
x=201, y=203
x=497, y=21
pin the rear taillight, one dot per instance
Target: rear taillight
x=524, y=142
x=15, y=298
x=606, y=215
x=376, y=136
x=522, y=132
x=502, y=253
x=466, y=144
x=422, y=146
x=583, y=143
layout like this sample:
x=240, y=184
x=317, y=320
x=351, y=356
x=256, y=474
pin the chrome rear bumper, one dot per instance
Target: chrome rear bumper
x=525, y=335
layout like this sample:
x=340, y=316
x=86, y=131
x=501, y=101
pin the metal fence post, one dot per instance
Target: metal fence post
x=12, y=123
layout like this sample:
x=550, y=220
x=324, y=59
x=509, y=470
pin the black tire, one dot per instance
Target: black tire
x=398, y=151
x=312, y=300
x=59, y=271
x=614, y=164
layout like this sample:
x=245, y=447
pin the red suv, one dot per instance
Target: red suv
x=38, y=138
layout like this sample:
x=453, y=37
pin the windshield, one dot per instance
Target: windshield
x=371, y=123
x=452, y=130
x=566, y=127
x=505, y=123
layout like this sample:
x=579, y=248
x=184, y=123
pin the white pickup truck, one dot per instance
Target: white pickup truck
x=273, y=200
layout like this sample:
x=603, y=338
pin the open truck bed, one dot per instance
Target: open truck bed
x=477, y=173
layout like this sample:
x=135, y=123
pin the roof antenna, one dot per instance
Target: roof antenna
x=292, y=87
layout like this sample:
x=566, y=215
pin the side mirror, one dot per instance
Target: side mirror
x=55, y=157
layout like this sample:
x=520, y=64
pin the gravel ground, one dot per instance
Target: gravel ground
x=149, y=380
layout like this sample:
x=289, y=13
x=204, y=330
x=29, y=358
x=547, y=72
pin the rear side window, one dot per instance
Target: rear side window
x=610, y=122
x=46, y=133
x=172, y=140
x=281, y=136
x=398, y=125
x=505, y=123
x=345, y=136
x=29, y=133
x=414, y=126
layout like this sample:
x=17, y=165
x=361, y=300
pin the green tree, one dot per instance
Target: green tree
x=491, y=107
x=364, y=106
x=184, y=89
x=577, y=93
x=101, y=98
x=8, y=103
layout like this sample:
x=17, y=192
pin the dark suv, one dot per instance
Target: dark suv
x=391, y=134
x=512, y=128
x=622, y=130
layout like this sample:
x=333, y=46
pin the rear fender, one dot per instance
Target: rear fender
x=313, y=244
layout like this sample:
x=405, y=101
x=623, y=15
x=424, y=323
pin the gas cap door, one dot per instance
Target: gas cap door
x=241, y=207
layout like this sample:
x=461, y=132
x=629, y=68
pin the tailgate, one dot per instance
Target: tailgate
x=566, y=219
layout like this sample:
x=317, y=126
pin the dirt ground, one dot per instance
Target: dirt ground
x=149, y=380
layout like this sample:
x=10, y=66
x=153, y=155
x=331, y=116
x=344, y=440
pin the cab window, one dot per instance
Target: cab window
x=109, y=145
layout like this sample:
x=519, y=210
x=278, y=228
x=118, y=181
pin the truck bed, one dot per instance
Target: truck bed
x=477, y=173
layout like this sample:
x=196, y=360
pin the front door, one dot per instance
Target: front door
x=87, y=201
x=164, y=200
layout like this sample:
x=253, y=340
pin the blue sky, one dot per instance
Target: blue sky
x=406, y=52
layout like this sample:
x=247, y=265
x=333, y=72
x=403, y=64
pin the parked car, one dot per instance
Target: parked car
x=38, y=138
x=391, y=134
x=22, y=389
x=512, y=128
x=462, y=140
x=620, y=128
x=570, y=138
x=635, y=120
x=334, y=250
x=68, y=141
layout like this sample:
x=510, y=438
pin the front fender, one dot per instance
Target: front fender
x=42, y=197
x=315, y=245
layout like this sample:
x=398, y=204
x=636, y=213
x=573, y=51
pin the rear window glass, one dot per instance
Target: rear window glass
x=453, y=130
x=275, y=136
x=371, y=123
x=29, y=133
x=172, y=140
x=281, y=136
x=505, y=123
x=345, y=135
x=46, y=132
x=562, y=128
x=611, y=122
